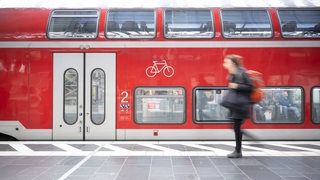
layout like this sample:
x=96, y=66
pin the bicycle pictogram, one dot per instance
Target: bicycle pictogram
x=153, y=70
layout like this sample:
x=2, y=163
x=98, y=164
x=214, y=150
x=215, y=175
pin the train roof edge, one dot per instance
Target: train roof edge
x=155, y=3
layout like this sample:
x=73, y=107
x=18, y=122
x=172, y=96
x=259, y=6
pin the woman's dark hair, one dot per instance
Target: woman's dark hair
x=236, y=59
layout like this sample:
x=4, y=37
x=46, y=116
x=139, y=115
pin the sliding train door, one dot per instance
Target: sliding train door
x=84, y=96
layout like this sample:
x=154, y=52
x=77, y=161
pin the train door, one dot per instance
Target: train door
x=84, y=96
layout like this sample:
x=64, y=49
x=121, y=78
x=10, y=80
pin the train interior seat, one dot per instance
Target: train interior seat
x=130, y=26
x=229, y=27
x=290, y=26
x=90, y=27
x=113, y=26
x=207, y=27
x=144, y=27
x=317, y=28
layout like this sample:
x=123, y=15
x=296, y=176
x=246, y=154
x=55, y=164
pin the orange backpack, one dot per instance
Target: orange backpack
x=257, y=83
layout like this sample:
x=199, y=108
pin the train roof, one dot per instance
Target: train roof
x=155, y=3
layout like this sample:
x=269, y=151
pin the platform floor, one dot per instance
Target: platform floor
x=158, y=160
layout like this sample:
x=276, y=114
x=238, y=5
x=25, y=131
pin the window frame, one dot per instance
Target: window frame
x=104, y=95
x=284, y=88
x=157, y=123
x=137, y=9
x=246, y=9
x=312, y=105
x=194, y=107
x=188, y=38
x=81, y=38
x=294, y=9
x=64, y=96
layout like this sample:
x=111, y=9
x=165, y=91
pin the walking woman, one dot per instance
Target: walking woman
x=239, y=95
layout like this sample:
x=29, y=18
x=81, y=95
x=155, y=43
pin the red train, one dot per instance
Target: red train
x=153, y=70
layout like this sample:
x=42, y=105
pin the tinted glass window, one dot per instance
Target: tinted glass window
x=279, y=105
x=71, y=24
x=316, y=105
x=188, y=24
x=300, y=23
x=160, y=105
x=246, y=24
x=130, y=24
x=98, y=96
x=207, y=105
x=70, y=106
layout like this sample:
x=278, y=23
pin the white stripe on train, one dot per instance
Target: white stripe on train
x=159, y=44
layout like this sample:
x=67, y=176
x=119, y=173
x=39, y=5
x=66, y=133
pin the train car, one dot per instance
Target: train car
x=152, y=70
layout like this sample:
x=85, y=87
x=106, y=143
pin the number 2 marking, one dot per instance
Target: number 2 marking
x=125, y=95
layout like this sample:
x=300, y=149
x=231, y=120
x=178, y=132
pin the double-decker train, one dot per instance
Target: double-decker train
x=152, y=70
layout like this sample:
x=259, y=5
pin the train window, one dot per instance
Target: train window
x=315, y=105
x=131, y=24
x=159, y=105
x=299, y=23
x=181, y=23
x=207, y=105
x=97, y=96
x=70, y=106
x=279, y=105
x=246, y=24
x=73, y=24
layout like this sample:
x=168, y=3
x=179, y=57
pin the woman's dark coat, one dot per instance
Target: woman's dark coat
x=244, y=88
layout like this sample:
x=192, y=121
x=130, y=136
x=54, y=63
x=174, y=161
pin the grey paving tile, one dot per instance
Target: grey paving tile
x=71, y=160
x=161, y=163
x=10, y=171
x=273, y=147
x=286, y=172
x=246, y=161
x=207, y=171
x=6, y=147
x=221, y=161
x=259, y=172
x=85, y=147
x=94, y=162
x=296, y=178
x=84, y=171
x=187, y=177
x=32, y=160
x=141, y=160
x=32, y=171
x=135, y=147
x=116, y=160
x=184, y=169
x=162, y=177
x=75, y=177
x=181, y=160
x=211, y=177
x=229, y=169
x=236, y=177
x=181, y=147
x=312, y=162
x=134, y=172
x=270, y=162
x=102, y=177
x=313, y=176
x=311, y=146
x=43, y=147
x=161, y=171
x=109, y=169
x=225, y=147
